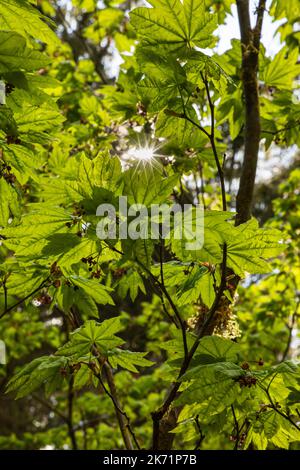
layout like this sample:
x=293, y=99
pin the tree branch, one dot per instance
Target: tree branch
x=213, y=144
x=201, y=435
x=159, y=414
x=163, y=282
x=275, y=408
x=250, y=43
x=165, y=292
x=90, y=49
x=210, y=135
x=5, y=295
x=282, y=129
x=50, y=407
x=43, y=283
x=259, y=23
x=237, y=428
x=123, y=419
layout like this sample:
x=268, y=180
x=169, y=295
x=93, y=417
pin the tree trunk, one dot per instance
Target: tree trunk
x=250, y=42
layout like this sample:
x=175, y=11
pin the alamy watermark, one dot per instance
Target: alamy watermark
x=2, y=92
x=2, y=352
x=159, y=221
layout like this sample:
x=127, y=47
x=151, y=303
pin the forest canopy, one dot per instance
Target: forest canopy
x=149, y=224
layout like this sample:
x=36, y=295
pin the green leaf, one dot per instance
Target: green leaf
x=214, y=383
x=103, y=171
x=190, y=290
x=214, y=227
x=180, y=134
x=94, y=289
x=174, y=346
x=190, y=282
x=132, y=283
x=22, y=159
x=83, y=377
x=175, y=24
x=25, y=280
x=139, y=249
x=15, y=55
x=85, y=303
x=231, y=109
x=20, y=16
x=250, y=247
x=91, y=334
x=40, y=222
x=38, y=119
x=259, y=440
x=207, y=291
x=214, y=350
x=83, y=249
x=219, y=348
x=147, y=185
x=286, y=367
x=7, y=121
x=199, y=63
x=9, y=202
x=44, y=370
x=162, y=77
x=128, y=359
x=282, y=70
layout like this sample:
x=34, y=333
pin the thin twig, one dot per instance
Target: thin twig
x=50, y=407
x=210, y=135
x=259, y=22
x=196, y=124
x=202, y=436
x=282, y=129
x=161, y=261
x=25, y=298
x=123, y=419
x=200, y=168
x=168, y=297
x=213, y=144
x=70, y=398
x=161, y=257
x=177, y=314
x=274, y=407
x=237, y=428
x=281, y=413
x=5, y=294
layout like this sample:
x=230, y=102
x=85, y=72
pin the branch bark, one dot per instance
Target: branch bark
x=250, y=43
x=123, y=419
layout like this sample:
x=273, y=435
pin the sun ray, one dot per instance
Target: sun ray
x=144, y=154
